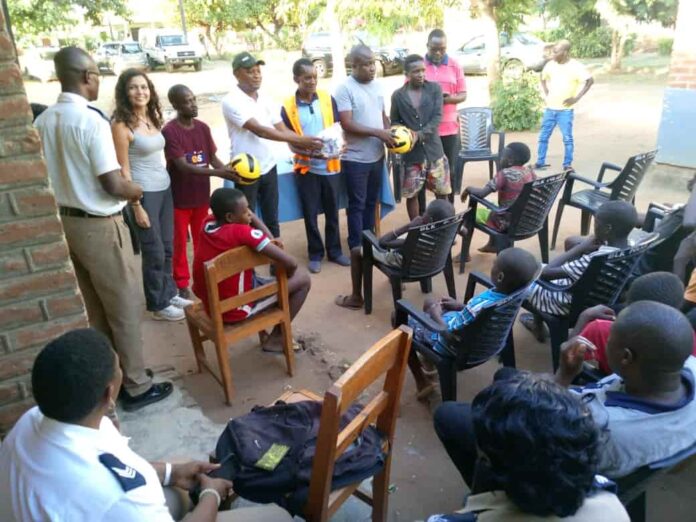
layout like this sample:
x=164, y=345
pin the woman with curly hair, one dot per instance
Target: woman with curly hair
x=529, y=451
x=136, y=125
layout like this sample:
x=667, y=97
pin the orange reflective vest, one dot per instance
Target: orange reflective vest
x=301, y=162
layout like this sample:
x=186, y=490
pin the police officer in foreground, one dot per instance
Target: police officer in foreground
x=91, y=193
x=66, y=460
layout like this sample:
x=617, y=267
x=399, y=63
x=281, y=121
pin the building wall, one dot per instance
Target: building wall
x=39, y=297
x=678, y=125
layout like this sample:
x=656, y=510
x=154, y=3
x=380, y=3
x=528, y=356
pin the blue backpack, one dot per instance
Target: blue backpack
x=244, y=447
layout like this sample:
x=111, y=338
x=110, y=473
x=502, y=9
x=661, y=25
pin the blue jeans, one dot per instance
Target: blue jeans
x=564, y=120
x=363, y=183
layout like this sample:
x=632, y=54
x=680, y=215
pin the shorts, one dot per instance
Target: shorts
x=436, y=174
x=388, y=257
x=261, y=304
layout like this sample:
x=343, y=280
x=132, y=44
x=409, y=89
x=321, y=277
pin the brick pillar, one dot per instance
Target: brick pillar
x=678, y=125
x=39, y=297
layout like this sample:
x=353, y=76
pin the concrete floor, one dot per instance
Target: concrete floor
x=612, y=123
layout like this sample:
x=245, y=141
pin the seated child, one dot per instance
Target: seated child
x=389, y=252
x=513, y=269
x=233, y=225
x=508, y=182
x=595, y=323
x=646, y=410
x=613, y=223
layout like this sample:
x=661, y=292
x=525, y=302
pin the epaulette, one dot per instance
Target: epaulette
x=128, y=477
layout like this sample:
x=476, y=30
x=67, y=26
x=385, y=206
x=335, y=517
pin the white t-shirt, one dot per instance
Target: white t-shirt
x=51, y=470
x=238, y=108
x=78, y=148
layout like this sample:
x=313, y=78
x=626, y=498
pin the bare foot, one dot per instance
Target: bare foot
x=351, y=302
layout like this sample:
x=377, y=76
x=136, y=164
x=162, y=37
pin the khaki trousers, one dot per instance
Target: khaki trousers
x=108, y=274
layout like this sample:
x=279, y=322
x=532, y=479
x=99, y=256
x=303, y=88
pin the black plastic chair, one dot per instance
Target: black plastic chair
x=426, y=252
x=633, y=487
x=601, y=283
x=623, y=187
x=489, y=335
x=529, y=216
x=475, y=131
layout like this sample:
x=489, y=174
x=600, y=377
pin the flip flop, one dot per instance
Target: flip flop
x=342, y=300
x=265, y=336
x=527, y=320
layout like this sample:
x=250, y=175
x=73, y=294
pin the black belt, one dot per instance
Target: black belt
x=76, y=212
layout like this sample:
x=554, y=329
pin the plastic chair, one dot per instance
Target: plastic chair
x=426, y=252
x=475, y=131
x=203, y=327
x=528, y=217
x=489, y=335
x=601, y=283
x=633, y=487
x=388, y=356
x=623, y=187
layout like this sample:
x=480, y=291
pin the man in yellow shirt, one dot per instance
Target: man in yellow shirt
x=564, y=81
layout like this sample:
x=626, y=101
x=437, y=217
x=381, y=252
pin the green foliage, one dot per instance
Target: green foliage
x=664, y=46
x=517, y=103
x=663, y=11
x=33, y=17
x=595, y=43
x=508, y=14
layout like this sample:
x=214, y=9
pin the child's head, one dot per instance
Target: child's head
x=183, y=101
x=514, y=268
x=515, y=155
x=615, y=220
x=438, y=210
x=648, y=342
x=230, y=206
x=661, y=287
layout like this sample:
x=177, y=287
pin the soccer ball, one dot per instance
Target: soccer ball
x=403, y=138
x=246, y=167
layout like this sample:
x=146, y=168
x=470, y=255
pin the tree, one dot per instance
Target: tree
x=33, y=17
x=282, y=20
x=499, y=15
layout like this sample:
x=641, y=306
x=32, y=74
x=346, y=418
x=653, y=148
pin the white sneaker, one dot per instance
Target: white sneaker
x=180, y=302
x=171, y=313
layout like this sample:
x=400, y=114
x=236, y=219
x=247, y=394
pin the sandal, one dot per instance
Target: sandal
x=265, y=336
x=343, y=301
x=528, y=321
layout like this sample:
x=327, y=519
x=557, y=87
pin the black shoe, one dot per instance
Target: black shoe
x=156, y=393
x=122, y=391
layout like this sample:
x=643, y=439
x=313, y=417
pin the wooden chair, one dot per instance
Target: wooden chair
x=388, y=356
x=203, y=327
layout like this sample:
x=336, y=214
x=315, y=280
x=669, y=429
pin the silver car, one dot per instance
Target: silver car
x=116, y=57
x=522, y=51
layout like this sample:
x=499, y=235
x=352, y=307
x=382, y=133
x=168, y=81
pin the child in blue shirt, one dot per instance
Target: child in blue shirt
x=513, y=269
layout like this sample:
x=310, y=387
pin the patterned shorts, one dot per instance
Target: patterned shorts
x=436, y=174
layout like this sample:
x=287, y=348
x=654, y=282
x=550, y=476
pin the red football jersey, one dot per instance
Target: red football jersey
x=214, y=240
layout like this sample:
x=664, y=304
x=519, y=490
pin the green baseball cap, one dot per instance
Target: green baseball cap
x=245, y=60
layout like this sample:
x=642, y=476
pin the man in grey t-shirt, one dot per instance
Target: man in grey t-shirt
x=366, y=129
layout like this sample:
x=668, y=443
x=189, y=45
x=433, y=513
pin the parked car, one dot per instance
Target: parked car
x=522, y=51
x=170, y=48
x=116, y=57
x=37, y=63
x=317, y=47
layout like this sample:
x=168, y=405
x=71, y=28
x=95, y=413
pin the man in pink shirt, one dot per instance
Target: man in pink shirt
x=444, y=70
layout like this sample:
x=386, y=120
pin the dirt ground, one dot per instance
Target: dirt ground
x=613, y=122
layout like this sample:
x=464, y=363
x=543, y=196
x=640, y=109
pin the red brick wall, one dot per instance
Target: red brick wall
x=39, y=298
x=682, y=70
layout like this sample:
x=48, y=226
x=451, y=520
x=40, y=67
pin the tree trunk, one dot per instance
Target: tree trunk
x=618, y=43
x=492, y=39
x=215, y=39
x=337, y=52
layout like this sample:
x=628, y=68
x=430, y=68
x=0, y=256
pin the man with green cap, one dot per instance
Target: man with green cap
x=253, y=121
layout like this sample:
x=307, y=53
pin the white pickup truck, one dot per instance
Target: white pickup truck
x=169, y=47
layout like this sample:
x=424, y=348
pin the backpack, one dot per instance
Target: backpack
x=247, y=439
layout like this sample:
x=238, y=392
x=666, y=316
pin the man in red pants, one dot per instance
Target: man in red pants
x=191, y=160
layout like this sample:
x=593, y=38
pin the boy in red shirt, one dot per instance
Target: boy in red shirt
x=190, y=153
x=232, y=225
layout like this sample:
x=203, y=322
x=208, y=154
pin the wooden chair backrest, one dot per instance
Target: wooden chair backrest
x=233, y=262
x=388, y=356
